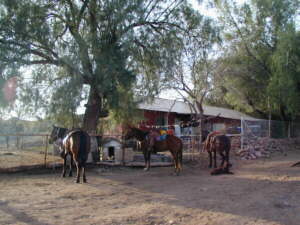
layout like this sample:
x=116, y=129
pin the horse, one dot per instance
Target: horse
x=218, y=142
x=75, y=143
x=149, y=143
x=221, y=170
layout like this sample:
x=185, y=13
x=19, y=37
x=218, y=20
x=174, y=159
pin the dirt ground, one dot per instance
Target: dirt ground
x=265, y=191
x=13, y=158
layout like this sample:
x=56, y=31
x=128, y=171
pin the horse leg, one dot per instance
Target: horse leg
x=179, y=155
x=71, y=165
x=227, y=159
x=77, y=171
x=210, y=159
x=149, y=159
x=83, y=174
x=64, y=166
x=223, y=158
x=215, y=159
x=147, y=155
x=175, y=160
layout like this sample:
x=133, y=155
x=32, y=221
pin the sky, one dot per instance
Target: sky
x=204, y=9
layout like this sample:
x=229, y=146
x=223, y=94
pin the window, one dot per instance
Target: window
x=218, y=126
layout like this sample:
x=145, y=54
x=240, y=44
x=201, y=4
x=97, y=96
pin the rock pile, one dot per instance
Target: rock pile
x=263, y=146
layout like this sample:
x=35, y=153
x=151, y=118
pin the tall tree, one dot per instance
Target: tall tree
x=253, y=33
x=89, y=49
x=193, y=71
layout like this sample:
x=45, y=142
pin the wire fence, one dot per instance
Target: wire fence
x=23, y=150
x=18, y=150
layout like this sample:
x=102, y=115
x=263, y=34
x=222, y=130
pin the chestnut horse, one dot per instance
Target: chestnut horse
x=218, y=142
x=150, y=144
x=75, y=143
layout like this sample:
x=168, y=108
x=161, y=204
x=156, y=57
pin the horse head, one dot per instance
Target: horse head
x=204, y=135
x=57, y=132
x=133, y=132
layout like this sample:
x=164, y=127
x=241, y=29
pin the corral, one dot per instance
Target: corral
x=262, y=191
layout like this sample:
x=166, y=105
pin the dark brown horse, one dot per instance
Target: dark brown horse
x=150, y=144
x=218, y=142
x=75, y=143
x=221, y=170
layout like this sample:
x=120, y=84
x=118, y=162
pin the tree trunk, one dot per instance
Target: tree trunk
x=92, y=111
x=200, y=117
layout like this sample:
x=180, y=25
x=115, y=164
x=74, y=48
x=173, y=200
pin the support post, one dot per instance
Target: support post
x=242, y=133
x=46, y=151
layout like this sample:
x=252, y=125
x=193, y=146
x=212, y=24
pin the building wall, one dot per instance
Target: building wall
x=152, y=117
x=156, y=118
x=226, y=121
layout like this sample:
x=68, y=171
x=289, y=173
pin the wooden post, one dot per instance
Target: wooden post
x=123, y=150
x=289, y=129
x=270, y=117
x=46, y=150
x=7, y=142
x=242, y=133
x=22, y=142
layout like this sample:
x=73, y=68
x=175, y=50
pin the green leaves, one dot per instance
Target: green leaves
x=284, y=84
x=114, y=47
x=260, y=55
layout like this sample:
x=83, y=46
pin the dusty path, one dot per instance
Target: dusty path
x=260, y=192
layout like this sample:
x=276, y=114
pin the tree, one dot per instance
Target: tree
x=284, y=86
x=192, y=78
x=254, y=33
x=90, y=50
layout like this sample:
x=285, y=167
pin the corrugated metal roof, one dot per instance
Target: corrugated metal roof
x=166, y=105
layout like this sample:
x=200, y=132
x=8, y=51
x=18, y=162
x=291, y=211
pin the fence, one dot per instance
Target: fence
x=34, y=150
x=23, y=150
x=259, y=138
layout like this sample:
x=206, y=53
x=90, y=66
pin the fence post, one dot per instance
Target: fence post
x=270, y=121
x=270, y=117
x=123, y=150
x=289, y=129
x=46, y=150
x=7, y=141
x=242, y=133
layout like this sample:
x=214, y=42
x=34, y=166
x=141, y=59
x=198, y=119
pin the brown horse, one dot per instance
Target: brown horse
x=75, y=143
x=149, y=144
x=218, y=142
x=221, y=170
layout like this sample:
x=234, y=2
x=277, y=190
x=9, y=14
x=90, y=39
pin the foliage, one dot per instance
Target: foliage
x=192, y=77
x=254, y=72
x=284, y=86
x=92, y=50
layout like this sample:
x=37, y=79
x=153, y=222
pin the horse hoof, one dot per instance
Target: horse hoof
x=77, y=181
x=84, y=181
x=146, y=169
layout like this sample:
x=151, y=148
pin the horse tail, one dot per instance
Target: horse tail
x=228, y=143
x=83, y=149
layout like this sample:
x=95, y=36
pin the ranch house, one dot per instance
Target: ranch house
x=170, y=113
x=165, y=113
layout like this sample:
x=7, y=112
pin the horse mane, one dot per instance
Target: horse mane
x=141, y=132
x=62, y=132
